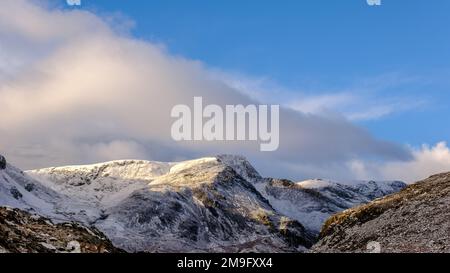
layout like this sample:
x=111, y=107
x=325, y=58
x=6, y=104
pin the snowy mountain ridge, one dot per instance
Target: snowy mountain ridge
x=312, y=202
x=196, y=205
x=208, y=204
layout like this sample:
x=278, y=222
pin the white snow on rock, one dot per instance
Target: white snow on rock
x=101, y=184
x=312, y=202
x=315, y=183
x=241, y=166
x=18, y=190
x=182, y=166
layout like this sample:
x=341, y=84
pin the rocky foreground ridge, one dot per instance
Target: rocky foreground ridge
x=414, y=220
x=21, y=232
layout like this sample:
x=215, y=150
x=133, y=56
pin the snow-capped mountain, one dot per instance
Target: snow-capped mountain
x=198, y=205
x=312, y=202
x=210, y=204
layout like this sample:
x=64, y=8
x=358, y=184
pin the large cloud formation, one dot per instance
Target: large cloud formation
x=76, y=89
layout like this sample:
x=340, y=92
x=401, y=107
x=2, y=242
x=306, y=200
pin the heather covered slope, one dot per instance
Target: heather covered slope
x=417, y=219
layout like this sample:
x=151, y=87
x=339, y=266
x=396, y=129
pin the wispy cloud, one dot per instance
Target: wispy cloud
x=356, y=107
x=367, y=99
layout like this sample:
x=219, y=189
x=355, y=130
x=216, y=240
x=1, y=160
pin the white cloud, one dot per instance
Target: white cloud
x=426, y=161
x=82, y=92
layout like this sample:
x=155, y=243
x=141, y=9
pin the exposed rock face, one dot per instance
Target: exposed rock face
x=2, y=162
x=417, y=219
x=21, y=232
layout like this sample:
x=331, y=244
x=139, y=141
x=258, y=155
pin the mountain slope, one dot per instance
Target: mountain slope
x=21, y=232
x=311, y=202
x=417, y=219
x=93, y=188
x=18, y=190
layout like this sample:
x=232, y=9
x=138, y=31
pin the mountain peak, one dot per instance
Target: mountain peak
x=242, y=166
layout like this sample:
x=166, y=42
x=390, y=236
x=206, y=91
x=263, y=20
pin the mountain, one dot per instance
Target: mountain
x=416, y=219
x=312, y=202
x=216, y=204
x=199, y=205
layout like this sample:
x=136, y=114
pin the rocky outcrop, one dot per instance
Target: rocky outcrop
x=2, y=162
x=417, y=219
x=21, y=232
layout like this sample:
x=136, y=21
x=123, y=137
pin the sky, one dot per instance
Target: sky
x=364, y=88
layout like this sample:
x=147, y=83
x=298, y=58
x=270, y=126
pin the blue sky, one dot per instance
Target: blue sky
x=397, y=53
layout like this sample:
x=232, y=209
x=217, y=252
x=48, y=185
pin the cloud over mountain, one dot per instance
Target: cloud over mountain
x=76, y=89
